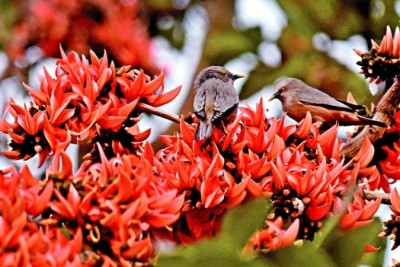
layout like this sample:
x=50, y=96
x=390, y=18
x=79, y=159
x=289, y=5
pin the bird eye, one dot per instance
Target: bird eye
x=282, y=89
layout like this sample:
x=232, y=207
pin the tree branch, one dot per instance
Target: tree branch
x=385, y=110
x=143, y=107
x=373, y=195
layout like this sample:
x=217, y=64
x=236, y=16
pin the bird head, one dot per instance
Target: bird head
x=217, y=72
x=283, y=87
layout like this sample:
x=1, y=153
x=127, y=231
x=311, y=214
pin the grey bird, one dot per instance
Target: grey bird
x=297, y=98
x=215, y=101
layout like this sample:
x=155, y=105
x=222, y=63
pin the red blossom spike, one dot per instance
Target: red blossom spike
x=370, y=209
x=187, y=132
x=389, y=41
x=69, y=207
x=42, y=201
x=278, y=174
x=366, y=153
x=125, y=190
x=150, y=88
x=370, y=248
x=211, y=193
x=258, y=168
x=133, y=90
x=162, y=99
x=305, y=126
x=94, y=59
x=277, y=147
x=383, y=46
x=148, y=153
x=359, y=213
x=290, y=234
x=259, y=116
x=317, y=212
x=396, y=43
x=141, y=249
x=357, y=51
x=40, y=98
x=375, y=45
x=395, y=201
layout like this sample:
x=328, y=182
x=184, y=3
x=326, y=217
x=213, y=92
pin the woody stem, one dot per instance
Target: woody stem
x=373, y=195
x=385, y=110
x=143, y=107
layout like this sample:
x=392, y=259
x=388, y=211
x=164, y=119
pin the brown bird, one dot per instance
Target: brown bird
x=215, y=100
x=297, y=98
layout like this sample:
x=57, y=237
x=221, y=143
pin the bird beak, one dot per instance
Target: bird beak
x=238, y=76
x=274, y=96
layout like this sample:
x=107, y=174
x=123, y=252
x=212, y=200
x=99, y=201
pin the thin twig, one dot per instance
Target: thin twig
x=158, y=112
x=373, y=195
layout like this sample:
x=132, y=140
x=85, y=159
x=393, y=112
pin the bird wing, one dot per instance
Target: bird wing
x=321, y=99
x=328, y=106
x=355, y=107
x=200, y=102
x=226, y=98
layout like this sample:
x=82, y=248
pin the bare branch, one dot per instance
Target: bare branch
x=158, y=112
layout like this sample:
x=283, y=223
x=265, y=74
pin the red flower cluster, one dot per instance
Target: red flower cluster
x=392, y=226
x=382, y=62
x=389, y=164
x=22, y=241
x=86, y=101
x=299, y=168
x=118, y=204
x=115, y=208
x=81, y=25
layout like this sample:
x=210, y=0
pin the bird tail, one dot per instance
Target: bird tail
x=204, y=130
x=369, y=121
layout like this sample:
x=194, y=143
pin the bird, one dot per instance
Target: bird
x=298, y=98
x=215, y=101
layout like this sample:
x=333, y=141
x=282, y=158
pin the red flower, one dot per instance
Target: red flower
x=382, y=61
x=359, y=212
x=273, y=237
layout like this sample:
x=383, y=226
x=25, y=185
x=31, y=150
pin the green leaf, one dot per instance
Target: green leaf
x=301, y=257
x=239, y=224
x=346, y=248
